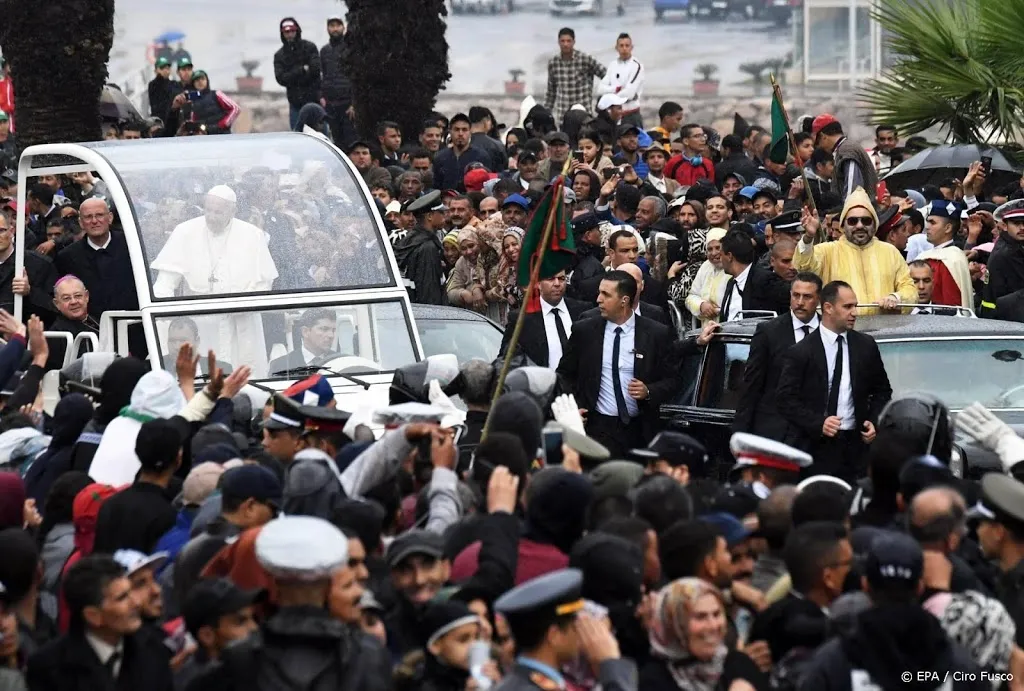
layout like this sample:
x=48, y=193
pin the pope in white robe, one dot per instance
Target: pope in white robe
x=217, y=254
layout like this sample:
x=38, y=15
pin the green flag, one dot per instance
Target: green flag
x=780, y=133
x=561, y=249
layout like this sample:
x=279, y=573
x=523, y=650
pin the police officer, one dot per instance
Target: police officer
x=1000, y=515
x=301, y=554
x=675, y=454
x=550, y=628
x=420, y=253
x=312, y=484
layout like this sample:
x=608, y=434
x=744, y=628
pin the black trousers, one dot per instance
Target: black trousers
x=617, y=437
x=844, y=456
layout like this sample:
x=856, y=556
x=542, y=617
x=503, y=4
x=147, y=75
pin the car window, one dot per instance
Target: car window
x=958, y=372
x=721, y=383
x=468, y=340
x=688, y=371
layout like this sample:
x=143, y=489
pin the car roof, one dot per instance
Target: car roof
x=445, y=313
x=897, y=326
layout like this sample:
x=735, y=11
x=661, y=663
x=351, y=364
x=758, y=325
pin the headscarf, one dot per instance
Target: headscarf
x=669, y=635
x=714, y=234
x=116, y=385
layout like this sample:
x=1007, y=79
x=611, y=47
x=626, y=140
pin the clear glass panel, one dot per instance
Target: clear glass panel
x=277, y=344
x=989, y=371
x=468, y=340
x=828, y=50
x=299, y=220
x=722, y=383
x=864, y=52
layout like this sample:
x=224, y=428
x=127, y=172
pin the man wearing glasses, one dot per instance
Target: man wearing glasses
x=72, y=301
x=690, y=166
x=875, y=270
x=35, y=284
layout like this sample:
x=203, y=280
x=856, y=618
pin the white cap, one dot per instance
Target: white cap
x=609, y=100
x=301, y=548
x=393, y=207
x=223, y=192
x=134, y=561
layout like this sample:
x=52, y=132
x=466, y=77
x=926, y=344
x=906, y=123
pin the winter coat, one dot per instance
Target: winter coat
x=301, y=648
x=887, y=643
x=57, y=547
x=70, y=417
x=420, y=258
x=297, y=68
x=70, y=664
x=161, y=93
x=336, y=86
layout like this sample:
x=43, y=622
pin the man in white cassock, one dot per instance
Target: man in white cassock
x=217, y=254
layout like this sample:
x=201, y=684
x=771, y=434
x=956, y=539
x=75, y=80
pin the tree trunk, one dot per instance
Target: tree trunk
x=397, y=58
x=58, y=51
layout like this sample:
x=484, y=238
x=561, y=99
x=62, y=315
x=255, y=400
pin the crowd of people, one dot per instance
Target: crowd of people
x=160, y=531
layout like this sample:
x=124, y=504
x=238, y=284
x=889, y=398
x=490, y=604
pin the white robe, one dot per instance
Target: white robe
x=956, y=262
x=202, y=263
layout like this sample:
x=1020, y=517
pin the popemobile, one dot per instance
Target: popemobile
x=266, y=249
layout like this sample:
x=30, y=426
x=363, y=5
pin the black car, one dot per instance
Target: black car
x=467, y=334
x=959, y=360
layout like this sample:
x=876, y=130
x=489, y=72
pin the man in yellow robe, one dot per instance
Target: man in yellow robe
x=875, y=270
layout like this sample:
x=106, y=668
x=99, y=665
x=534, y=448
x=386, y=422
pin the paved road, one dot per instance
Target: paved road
x=483, y=48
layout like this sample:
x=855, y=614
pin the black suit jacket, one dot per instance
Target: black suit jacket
x=654, y=293
x=803, y=386
x=758, y=411
x=766, y=290
x=533, y=341
x=295, y=361
x=70, y=664
x=107, y=291
x=647, y=309
x=655, y=364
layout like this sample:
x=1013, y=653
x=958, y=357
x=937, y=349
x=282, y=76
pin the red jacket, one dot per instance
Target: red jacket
x=683, y=172
x=535, y=559
x=7, y=99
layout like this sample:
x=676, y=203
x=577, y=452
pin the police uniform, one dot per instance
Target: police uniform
x=285, y=415
x=752, y=451
x=548, y=599
x=787, y=223
x=1000, y=297
x=420, y=253
x=301, y=548
x=1002, y=502
x=676, y=449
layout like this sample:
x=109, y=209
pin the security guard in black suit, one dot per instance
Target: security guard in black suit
x=1000, y=515
x=544, y=615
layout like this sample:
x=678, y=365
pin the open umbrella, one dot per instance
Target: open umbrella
x=114, y=105
x=934, y=165
x=169, y=36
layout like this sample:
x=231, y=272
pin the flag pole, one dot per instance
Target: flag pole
x=532, y=286
x=777, y=92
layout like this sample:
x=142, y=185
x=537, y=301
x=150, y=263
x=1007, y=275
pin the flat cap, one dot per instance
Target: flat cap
x=301, y=548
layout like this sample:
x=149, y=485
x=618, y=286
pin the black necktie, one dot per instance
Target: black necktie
x=806, y=329
x=111, y=664
x=727, y=301
x=562, y=337
x=620, y=400
x=837, y=378
x=924, y=311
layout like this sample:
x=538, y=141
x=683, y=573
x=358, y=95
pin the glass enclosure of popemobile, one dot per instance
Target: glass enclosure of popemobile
x=252, y=246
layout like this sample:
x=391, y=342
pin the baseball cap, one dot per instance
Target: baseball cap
x=4, y=117
x=609, y=100
x=518, y=200
x=475, y=179
x=626, y=128
x=184, y=62
x=748, y=192
x=820, y=122
x=894, y=562
x=393, y=207
x=414, y=542
x=134, y=561
x=557, y=137
x=163, y=62
x=211, y=599
x=732, y=528
x=252, y=481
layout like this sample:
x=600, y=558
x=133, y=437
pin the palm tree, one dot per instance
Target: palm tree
x=397, y=58
x=58, y=53
x=956, y=65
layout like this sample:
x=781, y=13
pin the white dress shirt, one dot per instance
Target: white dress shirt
x=551, y=331
x=606, y=394
x=104, y=651
x=798, y=326
x=736, y=301
x=845, y=410
x=307, y=355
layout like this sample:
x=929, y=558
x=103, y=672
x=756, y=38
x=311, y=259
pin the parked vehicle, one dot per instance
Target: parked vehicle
x=671, y=7
x=576, y=7
x=958, y=360
x=465, y=333
x=482, y=6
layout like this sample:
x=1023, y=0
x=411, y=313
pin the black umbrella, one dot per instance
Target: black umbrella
x=114, y=105
x=937, y=164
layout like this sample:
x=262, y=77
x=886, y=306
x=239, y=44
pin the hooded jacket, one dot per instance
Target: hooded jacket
x=297, y=68
x=887, y=642
x=70, y=417
x=116, y=386
x=337, y=88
